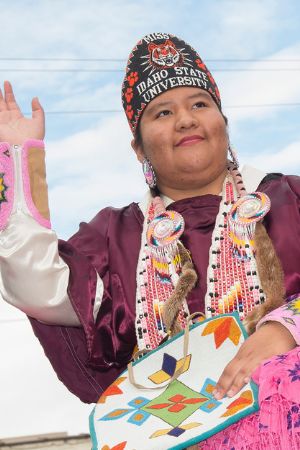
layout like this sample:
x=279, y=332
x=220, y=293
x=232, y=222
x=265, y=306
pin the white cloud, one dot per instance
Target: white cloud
x=106, y=97
x=84, y=30
x=287, y=160
x=235, y=29
x=256, y=87
x=90, y=170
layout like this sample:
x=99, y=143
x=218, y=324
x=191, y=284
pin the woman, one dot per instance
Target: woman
x=80, y=295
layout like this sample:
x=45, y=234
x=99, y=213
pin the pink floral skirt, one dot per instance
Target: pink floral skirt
x=276, y=426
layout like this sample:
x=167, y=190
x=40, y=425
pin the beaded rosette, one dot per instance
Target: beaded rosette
x=245, y=213
x=162, y=238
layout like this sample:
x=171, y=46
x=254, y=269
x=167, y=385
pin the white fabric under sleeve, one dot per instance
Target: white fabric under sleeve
x=33, y=277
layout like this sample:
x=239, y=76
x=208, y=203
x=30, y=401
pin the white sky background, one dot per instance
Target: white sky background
x=89, y=160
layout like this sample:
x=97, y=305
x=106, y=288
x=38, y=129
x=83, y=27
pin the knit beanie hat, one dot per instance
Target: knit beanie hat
x=157, y=63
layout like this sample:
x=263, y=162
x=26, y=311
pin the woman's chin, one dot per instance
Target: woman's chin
x=193, y=169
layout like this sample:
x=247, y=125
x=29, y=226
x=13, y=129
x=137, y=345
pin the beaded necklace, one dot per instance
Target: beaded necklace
x=233, y=282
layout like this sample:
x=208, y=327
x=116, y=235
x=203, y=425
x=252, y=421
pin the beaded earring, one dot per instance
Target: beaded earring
x=149, y=173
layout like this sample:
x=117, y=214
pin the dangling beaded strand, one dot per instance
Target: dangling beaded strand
x=158, y=271
x=232, y=278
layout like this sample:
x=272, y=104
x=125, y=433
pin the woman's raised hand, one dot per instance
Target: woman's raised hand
x=14, y=127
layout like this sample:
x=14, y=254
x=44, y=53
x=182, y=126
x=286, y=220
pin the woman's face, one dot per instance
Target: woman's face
x=184, y=136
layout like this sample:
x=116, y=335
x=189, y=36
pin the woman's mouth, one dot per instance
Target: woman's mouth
x=189, y=140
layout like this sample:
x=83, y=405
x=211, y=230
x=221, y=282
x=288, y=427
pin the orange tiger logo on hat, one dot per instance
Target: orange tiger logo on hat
x=165, y=55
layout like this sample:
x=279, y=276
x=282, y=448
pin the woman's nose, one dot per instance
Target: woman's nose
x=186, y=119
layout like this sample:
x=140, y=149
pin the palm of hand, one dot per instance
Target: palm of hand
x=14, y=127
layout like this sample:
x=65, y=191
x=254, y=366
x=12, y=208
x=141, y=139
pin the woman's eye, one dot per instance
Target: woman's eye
x=199, y=105
x=163, y=113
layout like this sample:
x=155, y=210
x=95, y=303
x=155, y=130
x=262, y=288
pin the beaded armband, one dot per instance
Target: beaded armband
x=288, y=315
x=23, y=182
x=6, y=183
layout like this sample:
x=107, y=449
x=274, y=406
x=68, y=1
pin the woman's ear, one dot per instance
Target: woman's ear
x=138, y=150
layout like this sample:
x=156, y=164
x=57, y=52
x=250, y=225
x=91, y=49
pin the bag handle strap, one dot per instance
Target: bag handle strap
x=178, y=372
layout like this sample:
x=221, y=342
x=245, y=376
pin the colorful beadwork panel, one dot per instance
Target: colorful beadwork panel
x=181, y=413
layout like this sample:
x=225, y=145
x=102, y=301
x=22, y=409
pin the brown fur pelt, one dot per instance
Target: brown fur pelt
x=271, y=277
x=185, y=284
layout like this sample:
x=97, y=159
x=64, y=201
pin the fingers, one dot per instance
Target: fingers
x=37, y=109
x=226, y=379
x=238, y=383
x=9, y=97
x=38, y=116
x=9, y=103
x=235, y=375
x=3, y=106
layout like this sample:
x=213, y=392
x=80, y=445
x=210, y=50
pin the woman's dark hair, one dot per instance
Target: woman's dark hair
x=138, y=135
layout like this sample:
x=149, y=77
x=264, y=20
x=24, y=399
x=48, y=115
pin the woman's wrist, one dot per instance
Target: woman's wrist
x=288, y=315
x=276, y=326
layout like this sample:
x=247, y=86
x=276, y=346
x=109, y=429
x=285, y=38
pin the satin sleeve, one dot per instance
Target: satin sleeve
x=284, y=228
x=94, y=251
x=88, y=359
x=33, y=277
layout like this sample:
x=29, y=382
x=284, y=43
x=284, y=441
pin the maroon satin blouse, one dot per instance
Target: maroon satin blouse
x=88, y=359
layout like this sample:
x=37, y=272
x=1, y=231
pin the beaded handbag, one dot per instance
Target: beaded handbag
x=164, y=400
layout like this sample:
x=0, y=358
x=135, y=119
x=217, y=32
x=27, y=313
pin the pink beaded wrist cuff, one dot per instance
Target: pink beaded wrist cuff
x=288, y=315
x=22, y=170
x=6, y=184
